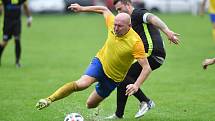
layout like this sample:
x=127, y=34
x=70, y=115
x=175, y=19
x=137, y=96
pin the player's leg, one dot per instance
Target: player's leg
x=17, y=36
x=121, y=99
x=17, y=51
x=2, y=47
x=131, y=77
x=90, y=76
x=64, y=91
x=7, y=34
x=83, y=83
x=103, y=89
x=94, y=100
x=104, y=86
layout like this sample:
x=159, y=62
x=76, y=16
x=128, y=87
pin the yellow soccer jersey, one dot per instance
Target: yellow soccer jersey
x=118, y=53
x=212, y=6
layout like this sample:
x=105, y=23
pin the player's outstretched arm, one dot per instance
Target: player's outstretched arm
x=146, y=70
x=95, y=9
x=28, y=14
x=207, y=62
x=156, y=21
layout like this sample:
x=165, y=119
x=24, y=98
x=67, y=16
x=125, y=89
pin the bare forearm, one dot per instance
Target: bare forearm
x=94, y=9
x=26, y=10
x=157, y=22
x=210, y=61
x=146, y=70
x=213, y=60
x=143, y=75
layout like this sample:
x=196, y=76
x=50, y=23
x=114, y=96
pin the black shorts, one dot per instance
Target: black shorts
x=11, y=28
x=135, y=70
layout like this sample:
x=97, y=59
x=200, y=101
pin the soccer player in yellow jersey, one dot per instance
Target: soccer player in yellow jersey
x=112, y=62
x=211, y=12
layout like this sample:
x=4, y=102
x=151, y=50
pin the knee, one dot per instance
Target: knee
x=90, y=104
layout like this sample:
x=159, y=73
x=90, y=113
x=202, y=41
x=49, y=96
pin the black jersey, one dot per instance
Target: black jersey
x=149, y=34
x=12, y=8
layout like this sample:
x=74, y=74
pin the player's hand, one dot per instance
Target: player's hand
x=75, y=7
x=43, y=103
x=29, y=21
x=207, y=62
x=131, y=89
x=173, y=37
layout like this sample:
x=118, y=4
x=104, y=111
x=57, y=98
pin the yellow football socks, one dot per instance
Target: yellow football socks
x=64, y=91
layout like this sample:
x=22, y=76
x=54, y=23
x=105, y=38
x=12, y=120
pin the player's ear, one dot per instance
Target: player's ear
x=129, y=25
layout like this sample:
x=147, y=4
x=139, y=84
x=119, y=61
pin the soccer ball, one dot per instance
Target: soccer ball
x=74, y=117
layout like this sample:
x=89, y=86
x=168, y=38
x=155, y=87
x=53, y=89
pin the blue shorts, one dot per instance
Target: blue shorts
x=212, y=16
x=105, y=85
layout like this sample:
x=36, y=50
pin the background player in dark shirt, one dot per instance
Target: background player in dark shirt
x=12, y=24
x=146, y=25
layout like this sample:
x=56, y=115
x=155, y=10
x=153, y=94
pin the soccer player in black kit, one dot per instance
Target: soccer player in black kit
x=12, y=24
x=146, y=25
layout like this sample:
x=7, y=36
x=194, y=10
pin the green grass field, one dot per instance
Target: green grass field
x=58, y=48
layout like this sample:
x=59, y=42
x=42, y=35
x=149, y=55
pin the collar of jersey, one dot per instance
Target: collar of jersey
x=126, y=35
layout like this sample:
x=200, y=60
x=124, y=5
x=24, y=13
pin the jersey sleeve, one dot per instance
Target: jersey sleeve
x=109, y=20
x=140, y=14
x=139, y=51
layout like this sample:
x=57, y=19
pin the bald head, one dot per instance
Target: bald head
x=123, y=17
x=122, y=24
